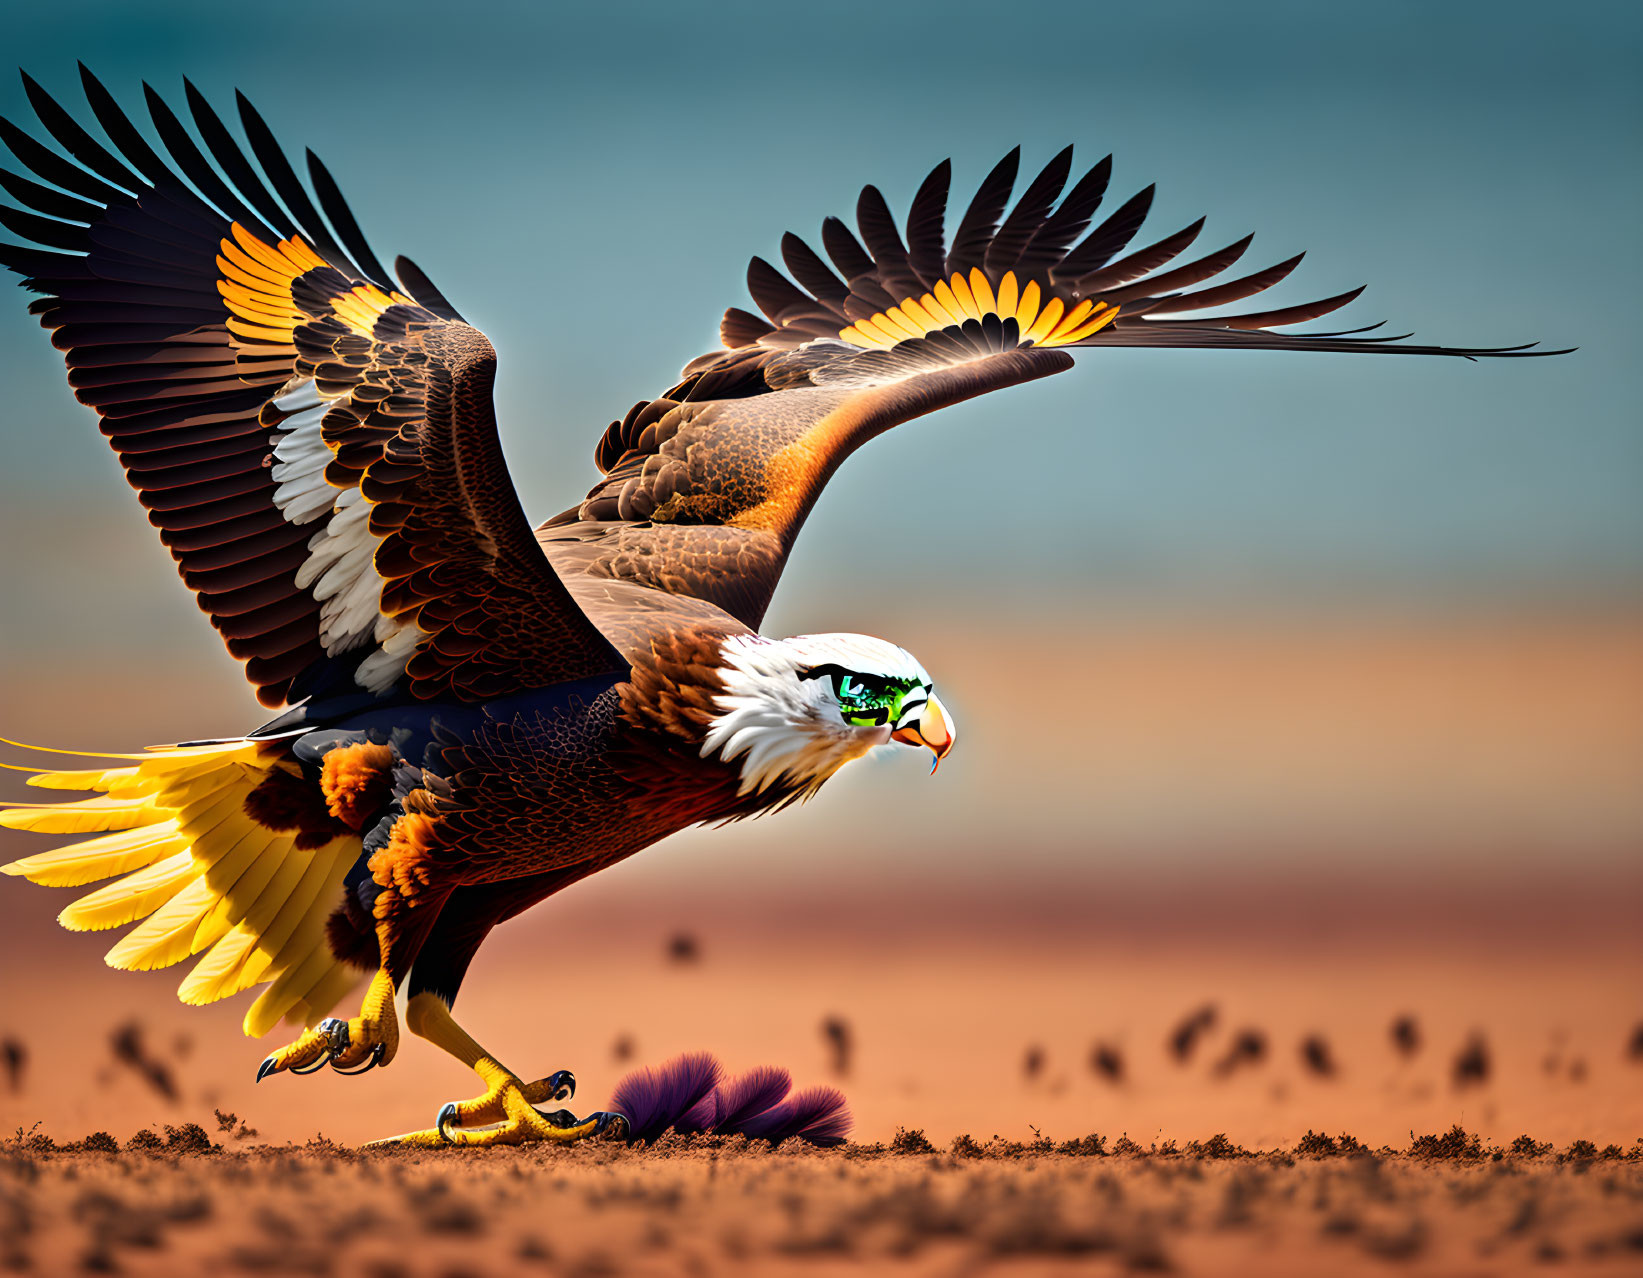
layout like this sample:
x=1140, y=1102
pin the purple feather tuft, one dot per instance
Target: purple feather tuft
x=699, y=1117
x=657, y=1099
x=745, y=1098
x=817, y=1115
x=686, y=1095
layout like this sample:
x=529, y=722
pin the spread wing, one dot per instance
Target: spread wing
x=315, y=442
x=707, y=486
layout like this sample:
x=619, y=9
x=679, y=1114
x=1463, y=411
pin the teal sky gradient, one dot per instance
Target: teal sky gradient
x=587, y=184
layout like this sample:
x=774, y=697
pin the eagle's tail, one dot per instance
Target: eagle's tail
x=220, y=852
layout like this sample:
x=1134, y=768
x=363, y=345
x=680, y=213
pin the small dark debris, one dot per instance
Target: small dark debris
x=1032, y=1062
x=683, y=948
x=841, y=1043
x=31, y=1140
x=229, y=1122
x=1634, y=1049
x=911, y=1141
x=15, y=1058
x=1184, y=1040
x=1456, y=1143
x=623, y=1049
x=1471, y=1067
x=1317, y=1056
x=1248, y=1047
x=1217, y=1146
x=1320, y=1145
x=189, y=1138
x=1107, y=1061
x=130, y=1050
x=1406, y=1036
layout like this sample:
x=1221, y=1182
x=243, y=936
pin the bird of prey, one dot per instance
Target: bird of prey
x=477, y=712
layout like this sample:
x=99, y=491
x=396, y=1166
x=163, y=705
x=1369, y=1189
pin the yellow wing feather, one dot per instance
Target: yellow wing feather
x=195, y=871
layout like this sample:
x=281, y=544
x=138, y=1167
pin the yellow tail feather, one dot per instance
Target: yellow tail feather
x=84, y=817
x=197, y=873
x=288, y=989
x=133, y=897
x=326, y=994
x=163, y=937
x=238, y=898
x=93, y=859
x=207, y=980
x=87, y=779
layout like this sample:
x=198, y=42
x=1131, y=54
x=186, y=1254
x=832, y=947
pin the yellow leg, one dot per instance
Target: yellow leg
x=507, y=1108
x=354, y=1046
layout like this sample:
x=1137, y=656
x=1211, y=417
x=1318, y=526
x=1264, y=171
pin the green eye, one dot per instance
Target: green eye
x=866, y=701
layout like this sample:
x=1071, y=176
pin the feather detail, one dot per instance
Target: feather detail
x=207, y=863
x=685, y=1095
x=653, y=1100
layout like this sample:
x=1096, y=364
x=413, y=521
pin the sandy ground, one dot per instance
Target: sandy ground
x=711, y=1208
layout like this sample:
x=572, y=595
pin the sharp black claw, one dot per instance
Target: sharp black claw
x=265, y=1069
x=371, y=1062
x=610, y=1123
x=562, y=1085
x=447, y=1115
x=310, y=1069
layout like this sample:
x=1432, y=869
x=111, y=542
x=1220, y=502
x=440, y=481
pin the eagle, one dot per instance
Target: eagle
x=475, y=712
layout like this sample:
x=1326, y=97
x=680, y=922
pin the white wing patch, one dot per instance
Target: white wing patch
x=340, y=570
x=300, y=458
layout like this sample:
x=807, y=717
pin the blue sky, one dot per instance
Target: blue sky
x=587, y=185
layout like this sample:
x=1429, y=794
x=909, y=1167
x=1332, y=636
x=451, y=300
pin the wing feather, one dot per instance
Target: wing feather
x=707, y=486
x=284, y=413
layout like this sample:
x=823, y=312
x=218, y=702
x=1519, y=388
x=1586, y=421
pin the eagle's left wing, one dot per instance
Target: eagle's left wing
x=707, y=486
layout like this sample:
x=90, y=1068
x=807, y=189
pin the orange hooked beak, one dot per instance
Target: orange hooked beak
x=932, y=729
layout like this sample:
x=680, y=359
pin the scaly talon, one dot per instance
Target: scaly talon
x=319, y=1064
x=507, y=1111
x=376, y=1058
x=506, y=1115
x=349, y=1047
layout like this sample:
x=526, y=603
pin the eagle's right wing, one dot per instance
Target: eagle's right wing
x=317, y=447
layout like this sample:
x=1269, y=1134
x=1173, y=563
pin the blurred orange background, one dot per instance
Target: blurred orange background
x=1316, y=823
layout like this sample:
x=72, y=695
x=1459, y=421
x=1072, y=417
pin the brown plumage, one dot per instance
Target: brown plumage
x=482, y=713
